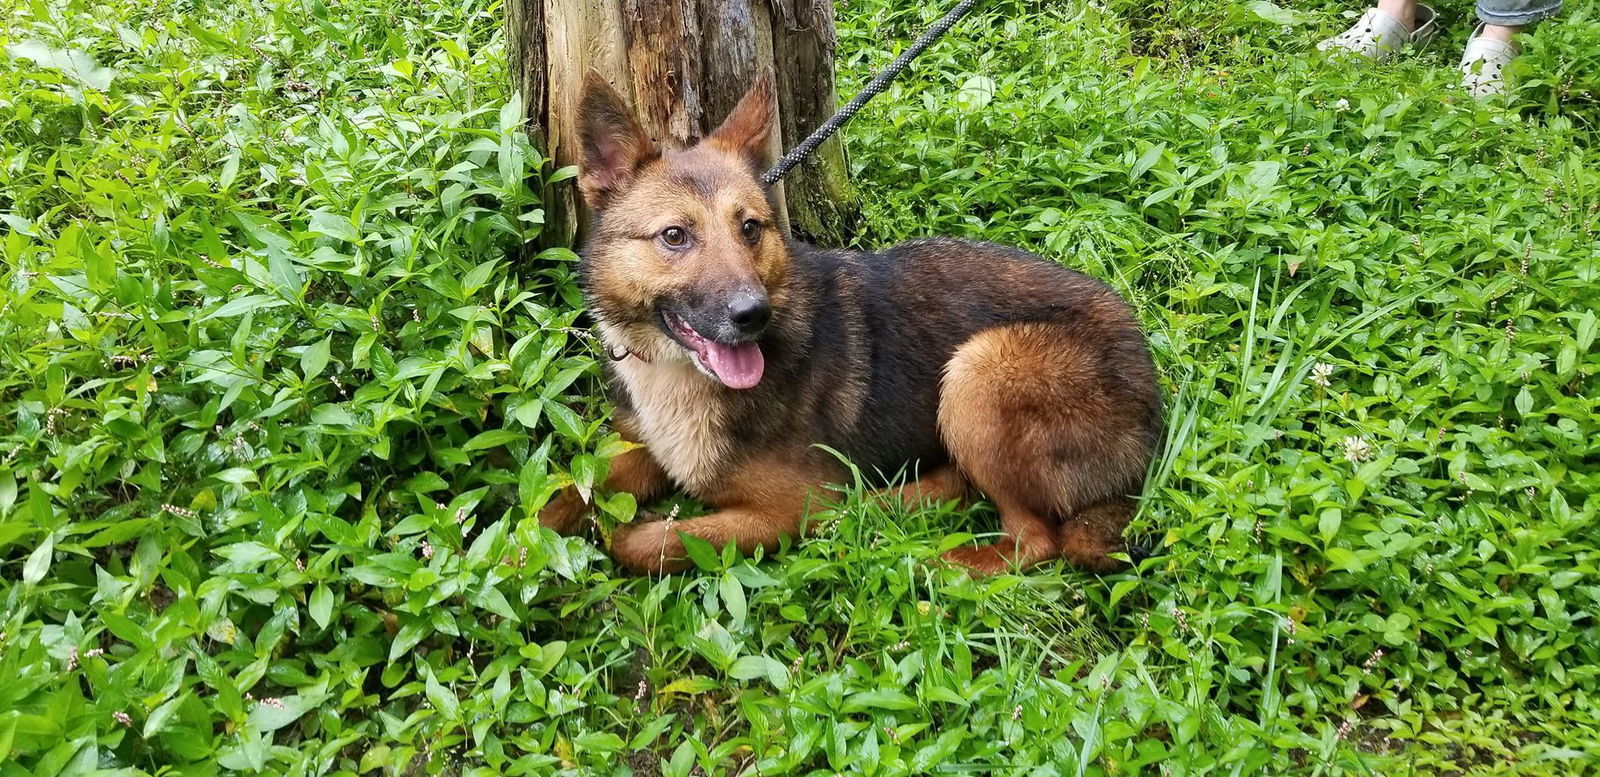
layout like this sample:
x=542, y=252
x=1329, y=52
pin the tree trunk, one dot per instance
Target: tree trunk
x=684, y=64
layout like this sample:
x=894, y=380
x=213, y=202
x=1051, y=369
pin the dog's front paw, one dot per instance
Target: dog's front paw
x=649, y=547
x=564, y=513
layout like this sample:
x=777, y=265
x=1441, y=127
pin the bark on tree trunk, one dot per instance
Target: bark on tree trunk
x=685, y=64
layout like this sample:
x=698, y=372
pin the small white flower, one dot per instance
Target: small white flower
x=1342, y=105
x=1320, y=374
x=1357, y=449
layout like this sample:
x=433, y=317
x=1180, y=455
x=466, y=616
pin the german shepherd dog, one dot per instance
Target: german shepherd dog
x=738, y=352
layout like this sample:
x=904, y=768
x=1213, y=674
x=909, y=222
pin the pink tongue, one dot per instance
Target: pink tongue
x=737, y=366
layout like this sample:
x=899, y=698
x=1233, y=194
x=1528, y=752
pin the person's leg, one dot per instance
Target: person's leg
x=1493, y=46
x=1507, y=17
x=1405, y=11
x=1500, y=32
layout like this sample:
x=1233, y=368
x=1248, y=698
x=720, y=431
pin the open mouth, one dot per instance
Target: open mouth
x=735, y=365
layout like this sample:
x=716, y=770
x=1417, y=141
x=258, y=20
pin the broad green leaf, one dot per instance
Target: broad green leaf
x=38, y=563
x=443, y=699
x=733, y=598
x=1588, y=325
x=700, y=552
x=75, y=63
x=1345, y=559
x=976, y=93
x=566, y=422
x=484, y=544
x=333, y=415
x=8, y=491
x=494, y=438
x=237, y=476
x=285, y=275
x=689, y=686
x=883, y=698
x=315, y=357
x=682, y=761
x=159, y=717
x=320, y=606
x=586, y=471
x=407, y=638
x=242, y=305
x=511, y=113
x=272, y=714
x=1328, y=523
x=761, y=667
x=528, y=412
x=230, y=171
x=1146, y=161
x=334, y=225
x=1275, y=13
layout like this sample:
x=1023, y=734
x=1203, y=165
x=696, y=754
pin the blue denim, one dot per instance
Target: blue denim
x=1516, y=13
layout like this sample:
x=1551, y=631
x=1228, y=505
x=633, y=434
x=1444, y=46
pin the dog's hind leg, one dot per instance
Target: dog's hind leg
x=1029, y=414
x=1089, y=535
x=1030, y=538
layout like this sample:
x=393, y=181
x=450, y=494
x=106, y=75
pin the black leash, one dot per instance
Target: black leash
x=873, y=89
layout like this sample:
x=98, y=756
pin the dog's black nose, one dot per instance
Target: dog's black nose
x=749, y=313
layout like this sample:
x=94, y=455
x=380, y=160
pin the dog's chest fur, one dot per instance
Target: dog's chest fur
x=679, y=418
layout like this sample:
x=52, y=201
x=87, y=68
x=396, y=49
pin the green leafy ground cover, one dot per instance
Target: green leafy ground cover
x=276, y=410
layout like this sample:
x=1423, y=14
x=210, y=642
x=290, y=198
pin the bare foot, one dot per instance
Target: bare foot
x=1499, y=33
x=1404, y=11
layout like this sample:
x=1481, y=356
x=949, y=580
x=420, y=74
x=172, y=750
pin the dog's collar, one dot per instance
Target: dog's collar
x=617, y=355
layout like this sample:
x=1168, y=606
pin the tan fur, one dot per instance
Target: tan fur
x=941, y=485
x=1008, y=396
x=760, y=505
x=564, y=513
x=1092, y=533
x=748, y=125
x=1029, y=539
x=676, y=415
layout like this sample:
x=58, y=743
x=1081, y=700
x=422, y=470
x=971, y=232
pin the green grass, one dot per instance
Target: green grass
x=280, y=391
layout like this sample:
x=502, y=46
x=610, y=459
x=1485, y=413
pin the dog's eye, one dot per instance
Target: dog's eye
x=751, y=229
x=674, y=237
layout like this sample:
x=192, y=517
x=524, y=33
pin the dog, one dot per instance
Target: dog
x=738, y=354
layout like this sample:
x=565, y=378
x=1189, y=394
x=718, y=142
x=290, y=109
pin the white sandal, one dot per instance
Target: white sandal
x=1379, y=36
x=1483, y=64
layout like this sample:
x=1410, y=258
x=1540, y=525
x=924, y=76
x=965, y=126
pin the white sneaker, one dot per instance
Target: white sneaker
x=1483, y=64
x=1379, y=36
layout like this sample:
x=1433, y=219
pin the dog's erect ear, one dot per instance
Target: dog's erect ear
x=748, y=128
x=614, y=145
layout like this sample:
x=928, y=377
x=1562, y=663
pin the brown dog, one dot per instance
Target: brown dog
x=976, y=365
